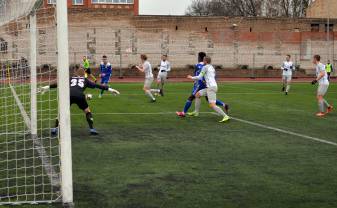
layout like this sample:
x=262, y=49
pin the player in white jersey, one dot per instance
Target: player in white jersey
x=323, y=86
x=287, y=73
x=164, y=68
x=208, y=73
x=146, y=68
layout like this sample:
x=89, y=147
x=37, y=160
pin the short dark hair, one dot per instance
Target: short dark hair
x=165, y=55
x=144, y=57
x=201, y=56
x=289, y=55
x=317, y=57
x=104, y=56
x=208, y=59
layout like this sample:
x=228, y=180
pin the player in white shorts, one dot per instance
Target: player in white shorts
x=146, y=68
x=164, y=68
x=208, y=73
x=323, y=86
x=287, y=73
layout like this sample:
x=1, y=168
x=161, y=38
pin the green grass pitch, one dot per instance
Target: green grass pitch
x=146, y=157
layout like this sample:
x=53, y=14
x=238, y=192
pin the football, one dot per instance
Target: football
x=89, y=96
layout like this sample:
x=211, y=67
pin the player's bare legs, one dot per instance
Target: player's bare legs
x=149, y=94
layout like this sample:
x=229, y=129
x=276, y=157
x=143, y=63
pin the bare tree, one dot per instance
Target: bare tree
x=271, y=8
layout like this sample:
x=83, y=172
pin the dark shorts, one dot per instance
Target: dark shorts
x=88, y=71
x=80, y=101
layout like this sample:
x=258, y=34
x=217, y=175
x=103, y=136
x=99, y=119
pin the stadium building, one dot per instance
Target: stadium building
x=125, y=6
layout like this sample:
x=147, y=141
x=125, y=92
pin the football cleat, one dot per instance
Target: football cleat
x=329, y=109
x=225, y=119
x=320, y=114
x=100, y=96
x=286, y=93
x=181, y=114
x=93, y=132
x=153, y=100
x=194, y=114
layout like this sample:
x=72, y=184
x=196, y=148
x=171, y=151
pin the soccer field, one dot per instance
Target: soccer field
x=275, y=153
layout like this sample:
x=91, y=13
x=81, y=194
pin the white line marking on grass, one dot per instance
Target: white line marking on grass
x=285, y=131
x=236, y=119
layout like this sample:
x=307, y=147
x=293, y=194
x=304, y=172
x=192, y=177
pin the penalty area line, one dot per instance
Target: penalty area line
x=236, y=119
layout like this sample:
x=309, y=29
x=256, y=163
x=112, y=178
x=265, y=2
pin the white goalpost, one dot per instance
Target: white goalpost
x=35, y=166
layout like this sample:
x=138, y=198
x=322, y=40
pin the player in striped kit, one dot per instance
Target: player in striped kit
x=287, y=68
x=146, y=68
x=208, y=73
x=323, y=86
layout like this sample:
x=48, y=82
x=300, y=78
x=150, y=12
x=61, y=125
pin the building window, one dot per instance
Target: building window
x=51, y=1
x=77, y=2
x=330, y=27
x=3, y=46
x=314, y=27
x=112, y=1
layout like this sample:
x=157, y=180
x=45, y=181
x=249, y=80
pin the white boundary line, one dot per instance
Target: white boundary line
x=53, y=176
x=236, y=119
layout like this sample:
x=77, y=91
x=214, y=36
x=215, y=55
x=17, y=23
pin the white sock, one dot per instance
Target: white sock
x=219, y=111
x=149, y=94
x=197, y=105
x=288, y=88
x=155, y=90
x=326, y=103
x=321, y=106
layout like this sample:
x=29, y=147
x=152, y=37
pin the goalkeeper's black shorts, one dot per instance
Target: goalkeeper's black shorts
x=80, y=101
x=88, y=71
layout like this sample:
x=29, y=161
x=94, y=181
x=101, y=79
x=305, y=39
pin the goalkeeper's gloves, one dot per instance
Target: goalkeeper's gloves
x=314, y=82
x=113, y=91
x=43, y=90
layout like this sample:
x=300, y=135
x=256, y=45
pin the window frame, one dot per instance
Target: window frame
x=74, y=2
x=112, y=2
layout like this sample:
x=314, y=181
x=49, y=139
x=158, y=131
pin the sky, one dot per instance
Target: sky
x=163, y=7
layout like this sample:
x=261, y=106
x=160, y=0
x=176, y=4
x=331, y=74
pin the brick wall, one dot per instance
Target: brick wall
x=256, y=43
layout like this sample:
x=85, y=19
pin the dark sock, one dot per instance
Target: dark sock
x=187, y=106
x=102, y=91
x=90, y=120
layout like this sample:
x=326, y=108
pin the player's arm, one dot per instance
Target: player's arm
x=282, y=66
x=319, y=77
x=93, y=85
x=168, y=66
x=140, y=68
x=200, y=76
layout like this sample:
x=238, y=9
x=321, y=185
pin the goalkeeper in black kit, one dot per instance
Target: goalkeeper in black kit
x=78, y=84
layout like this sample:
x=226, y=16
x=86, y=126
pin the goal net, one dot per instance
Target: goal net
x=31, y=166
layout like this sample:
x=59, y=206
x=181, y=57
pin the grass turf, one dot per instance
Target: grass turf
x=150, y=160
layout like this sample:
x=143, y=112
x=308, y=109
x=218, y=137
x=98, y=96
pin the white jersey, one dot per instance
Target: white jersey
x=288, y=67
x=319, y=69
x=147, y=70
x=207, y=72
x=165, y=66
